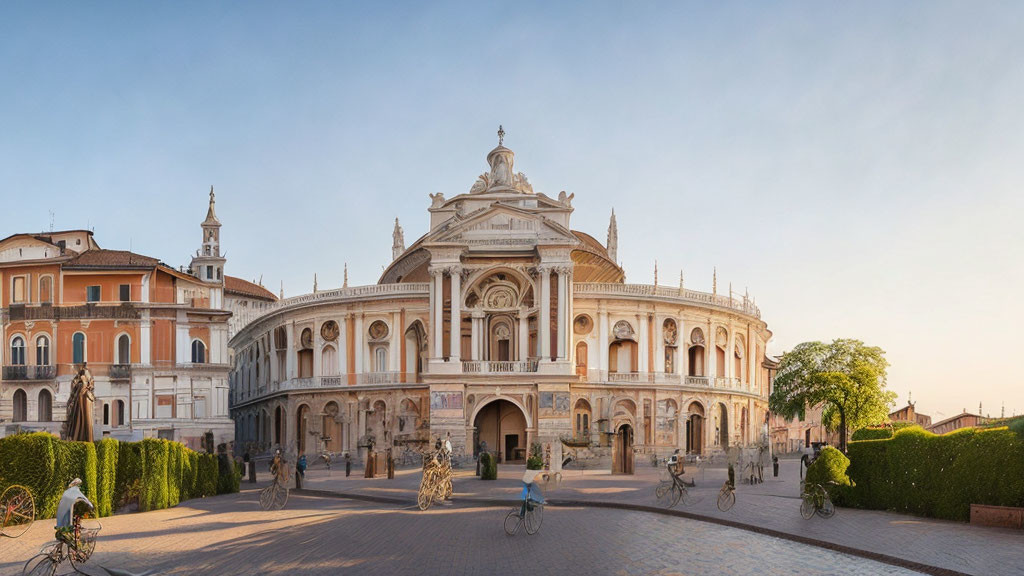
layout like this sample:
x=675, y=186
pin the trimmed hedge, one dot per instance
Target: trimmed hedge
x=157, y=473
x=918, y=472
x=830, y=466
x=107, y=451
x=880, y=432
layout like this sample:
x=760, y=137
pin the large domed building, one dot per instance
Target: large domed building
x=502, y=325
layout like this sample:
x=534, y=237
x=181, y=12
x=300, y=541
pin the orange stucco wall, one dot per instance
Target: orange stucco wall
x=32, y=286
x=162, y=287
x=163, y=341
x=110, y=287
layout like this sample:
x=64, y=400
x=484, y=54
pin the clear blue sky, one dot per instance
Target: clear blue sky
x=857, y=165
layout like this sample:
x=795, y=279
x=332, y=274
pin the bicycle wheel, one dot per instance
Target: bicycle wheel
x=726, y=498
x=662, y=490
x=827, y=509
x=678, y=493
x=280, y=497
x=18, y=511
x=267, y=497
x=807, y=506
x=40, y=565
x=512, y=521
x=424, y=498
x=534, y=517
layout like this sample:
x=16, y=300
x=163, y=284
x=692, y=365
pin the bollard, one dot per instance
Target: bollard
x=252, y=471
x=348, y=466
x=775, y=466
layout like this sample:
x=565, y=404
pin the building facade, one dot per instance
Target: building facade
x=503, y=325
x=153, y=337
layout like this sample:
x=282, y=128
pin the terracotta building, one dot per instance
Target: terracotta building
x=909, y=413
x=153, y=337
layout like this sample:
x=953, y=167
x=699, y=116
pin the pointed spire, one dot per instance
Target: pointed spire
x=397, y=241
x=714, y=281
x=730, y=292
x=282, y=290
x=681, y=290
x=613, y=239
x=314, y=283
x=211, y=214
x=655, y=272
x=345, y=283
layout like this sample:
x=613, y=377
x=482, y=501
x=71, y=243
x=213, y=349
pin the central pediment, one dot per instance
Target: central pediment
x=502, y=226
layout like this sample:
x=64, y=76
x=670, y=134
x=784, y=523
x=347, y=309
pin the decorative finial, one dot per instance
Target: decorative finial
x=397, y=241
x=211, y=193
x=655, y=272
x=282, y=289
x=730, y=292
x=612, y=245
x=680, y=282
x=714, y=281
x=910, y=397
x=501, y=135
x=345, y=283
x=979, y=408
x=314, y=283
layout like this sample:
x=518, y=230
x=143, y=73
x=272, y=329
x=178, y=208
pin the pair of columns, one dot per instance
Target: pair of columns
x=437, y=310
x=563, y=311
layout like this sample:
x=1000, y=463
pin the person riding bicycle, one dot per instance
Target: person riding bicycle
x=674, y=463
x=277, y=464
x=65, y=529
x=531, y=491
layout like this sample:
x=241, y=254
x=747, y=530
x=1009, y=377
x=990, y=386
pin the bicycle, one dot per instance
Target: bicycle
x=530, y=512
x=327, y=457
x=815, y=499
x=74, y=545
x=726, y=496
x=17, y=511
x=436, y=483
x=673, y=486
x=275, y=496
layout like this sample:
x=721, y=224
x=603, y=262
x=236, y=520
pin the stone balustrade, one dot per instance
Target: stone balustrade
x=744, y=305
x=499, y=367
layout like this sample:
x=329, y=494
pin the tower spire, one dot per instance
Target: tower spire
x=613, y=238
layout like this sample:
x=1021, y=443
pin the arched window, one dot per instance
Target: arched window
x=329, y=361
x=581, y=420
x=581, y=358
x=119, y=404
x=45, y=406
x=124, y=349
x=46, y=289
x=18, y=351
x=78, y=348
x=20, y=406
x=198, y=352
x=381, y=359
x=42, y=351
x=106, y=414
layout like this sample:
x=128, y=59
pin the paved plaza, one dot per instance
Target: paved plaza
x=230, y=535
x=383, y=533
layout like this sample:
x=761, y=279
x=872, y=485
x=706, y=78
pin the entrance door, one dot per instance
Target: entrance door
x=622, y=451
x=511, y=443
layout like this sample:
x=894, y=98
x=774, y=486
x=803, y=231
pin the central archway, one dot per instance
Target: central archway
x=502, y=425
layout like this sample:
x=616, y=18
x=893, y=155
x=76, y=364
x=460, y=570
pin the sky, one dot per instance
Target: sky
x=856, y=166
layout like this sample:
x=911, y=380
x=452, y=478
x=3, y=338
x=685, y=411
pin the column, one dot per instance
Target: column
x=317, y=352
x=397, y=333
x=544, y=324
x=290, y=351
x=709, y=354
x=570, y=314
x=343, y=346
x=642, y=343
x=438, y=317
x=562, y=311
x=455, y=334
x=358, y=338
x=602, y=342
x=477, y=319
x=524, y=335
x=682, y=366
x=730, y=354
x=659, y=346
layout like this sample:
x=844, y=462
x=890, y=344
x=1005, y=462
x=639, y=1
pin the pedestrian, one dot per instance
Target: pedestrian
x=390, y=464
x=300, y=465
x=348, y=465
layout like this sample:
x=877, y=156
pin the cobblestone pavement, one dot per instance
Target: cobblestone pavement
x=230, y=535
x=773, y=505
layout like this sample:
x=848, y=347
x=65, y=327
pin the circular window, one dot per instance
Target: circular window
x=330, y=331
x=583, y=325
x=378, y=330
x=307, y=338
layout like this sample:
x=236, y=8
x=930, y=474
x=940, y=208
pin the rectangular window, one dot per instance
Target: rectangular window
x=92, y=294
x=46, y=289
x=19, y=290
x=126, y=293
x=209, y=272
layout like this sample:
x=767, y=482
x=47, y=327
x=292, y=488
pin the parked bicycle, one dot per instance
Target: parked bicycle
x=531, y=511
x=275, y=496
x=17, y=511
x=815, y=499
x=726, y=496
x=436, y=483
x=673, y=487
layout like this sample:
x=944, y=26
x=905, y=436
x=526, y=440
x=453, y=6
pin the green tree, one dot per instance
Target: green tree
x=847, y=377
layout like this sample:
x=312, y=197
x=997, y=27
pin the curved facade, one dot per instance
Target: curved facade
x=502, y=325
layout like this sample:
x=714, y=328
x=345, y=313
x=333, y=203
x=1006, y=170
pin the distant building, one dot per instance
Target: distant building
x=963, y=420
x=909, y=414
x=245, y=300
x=799, y=433
x=154, y=337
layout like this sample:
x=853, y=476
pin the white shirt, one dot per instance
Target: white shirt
x=66, y=506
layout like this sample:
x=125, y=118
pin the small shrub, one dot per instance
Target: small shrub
x=488, y=466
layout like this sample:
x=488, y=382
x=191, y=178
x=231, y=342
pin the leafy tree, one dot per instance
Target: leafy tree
x=846, y=376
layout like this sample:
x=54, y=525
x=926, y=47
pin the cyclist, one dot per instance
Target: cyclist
x=530, y=490
x=277, y=464
x=65, y=529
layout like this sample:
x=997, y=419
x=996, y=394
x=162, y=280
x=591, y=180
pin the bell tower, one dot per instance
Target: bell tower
x=208, y=264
